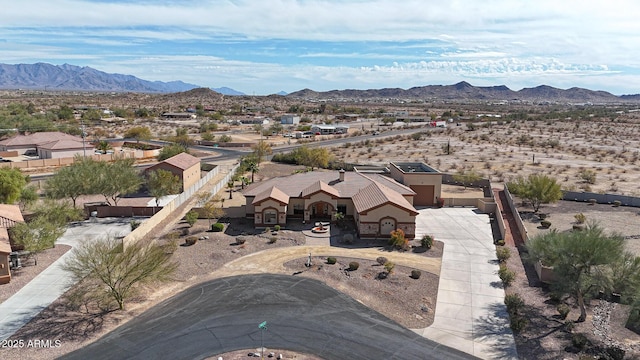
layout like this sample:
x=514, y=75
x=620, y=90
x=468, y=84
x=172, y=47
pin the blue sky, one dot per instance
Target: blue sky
x=265, y=46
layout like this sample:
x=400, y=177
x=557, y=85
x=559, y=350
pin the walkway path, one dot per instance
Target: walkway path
x=512, y=235
x=52, y=282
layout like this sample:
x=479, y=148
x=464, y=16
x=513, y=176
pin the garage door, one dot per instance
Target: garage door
x=424, y=195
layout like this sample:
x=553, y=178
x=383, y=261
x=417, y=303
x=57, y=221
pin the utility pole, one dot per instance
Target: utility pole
x=84, y=148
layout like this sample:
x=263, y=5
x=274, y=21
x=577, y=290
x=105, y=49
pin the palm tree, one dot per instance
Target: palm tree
x=254, y=168
x=230, y=184
x=103, y=146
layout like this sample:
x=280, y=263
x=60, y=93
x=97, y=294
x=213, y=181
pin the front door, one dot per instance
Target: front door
x=320, y=209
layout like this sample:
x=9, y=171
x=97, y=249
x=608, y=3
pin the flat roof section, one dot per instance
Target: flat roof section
x=412, y=167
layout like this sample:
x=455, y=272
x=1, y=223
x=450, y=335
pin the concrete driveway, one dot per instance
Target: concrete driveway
x=470, y=312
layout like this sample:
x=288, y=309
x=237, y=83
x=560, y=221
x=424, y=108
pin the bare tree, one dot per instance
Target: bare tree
x=103, y=266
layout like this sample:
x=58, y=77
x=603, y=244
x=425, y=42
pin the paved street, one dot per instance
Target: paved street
x=302, y=315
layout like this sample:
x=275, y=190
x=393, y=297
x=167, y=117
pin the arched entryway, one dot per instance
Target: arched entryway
x=387, y=225
x=321, y=210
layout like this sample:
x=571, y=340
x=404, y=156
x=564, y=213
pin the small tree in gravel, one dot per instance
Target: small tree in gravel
x=381, y=260
x=105, y=267
x=191, y=218
x=398, y=240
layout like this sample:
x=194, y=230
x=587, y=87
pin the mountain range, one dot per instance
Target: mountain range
x=43, y=76
x=465, y=91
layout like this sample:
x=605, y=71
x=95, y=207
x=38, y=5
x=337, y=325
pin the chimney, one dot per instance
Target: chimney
x=341, y=174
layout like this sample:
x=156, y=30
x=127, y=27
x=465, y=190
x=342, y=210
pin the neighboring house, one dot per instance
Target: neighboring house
x=329, y=129
x=377, y=204
x=64, y=149
x=185, y=166
x=24, y=143
x=290, y=119
x=9, y=216
x=179, y=115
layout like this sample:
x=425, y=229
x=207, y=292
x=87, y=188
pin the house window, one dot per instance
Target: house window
x=342, y=209
x=298, y=209
x=270, y=217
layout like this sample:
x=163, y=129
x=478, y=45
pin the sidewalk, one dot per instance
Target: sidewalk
x=52, y=282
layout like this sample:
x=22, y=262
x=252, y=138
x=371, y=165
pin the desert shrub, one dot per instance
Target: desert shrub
x=241, y=240
x=354, y=265
x=415, y=274
x=514, y=303
x=134, y=224
x=579, y=341
x=545, y=224
x=217, y=227
x=347, y=238
x=580, y=218
x=617, y=203
x=398, y=240
x=191, y=217
x=381, y=260
x=503, y=254
x=426, y=241
x=517, y=323
x=592, y=201
x=507, y=276
x=500, y=242
x=267, y=229
x=191, y=240
x=273, y=239
x=331, y=260
x=389, y=266
x=563, y=310
x=276, y=227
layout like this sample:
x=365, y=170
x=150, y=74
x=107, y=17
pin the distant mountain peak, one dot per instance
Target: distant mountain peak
x=71, y=77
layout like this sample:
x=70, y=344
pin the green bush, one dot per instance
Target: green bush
x=580, y=218
x=353, y=266
x=503, y=254
x=191, y=217
x=545, y=224
x=381, y=260
x=217, y=227
x=579, y=340
x=240, y=240
x=389, y=266
x=617, y=203
x=415, y=274
x=507, y=276
x=134, y=224
x=273, y=239
x=500, y=242
x=331, y=260
x=276, y=227
x=517, y=323
x=426, y=241
x=563, y=310
x=514, y=303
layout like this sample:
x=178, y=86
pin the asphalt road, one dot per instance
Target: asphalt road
x=302, y=315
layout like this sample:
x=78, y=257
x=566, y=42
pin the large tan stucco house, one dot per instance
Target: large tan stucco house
x=9, y=216
x=185, y=166
x=378, y=204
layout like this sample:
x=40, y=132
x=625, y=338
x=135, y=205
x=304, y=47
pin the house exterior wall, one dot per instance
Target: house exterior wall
x=5, y=275
x=289, y=119
x=270, y=204
x=188, y=177
x=52, y=154
x=419, y=179
x=369, y=223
